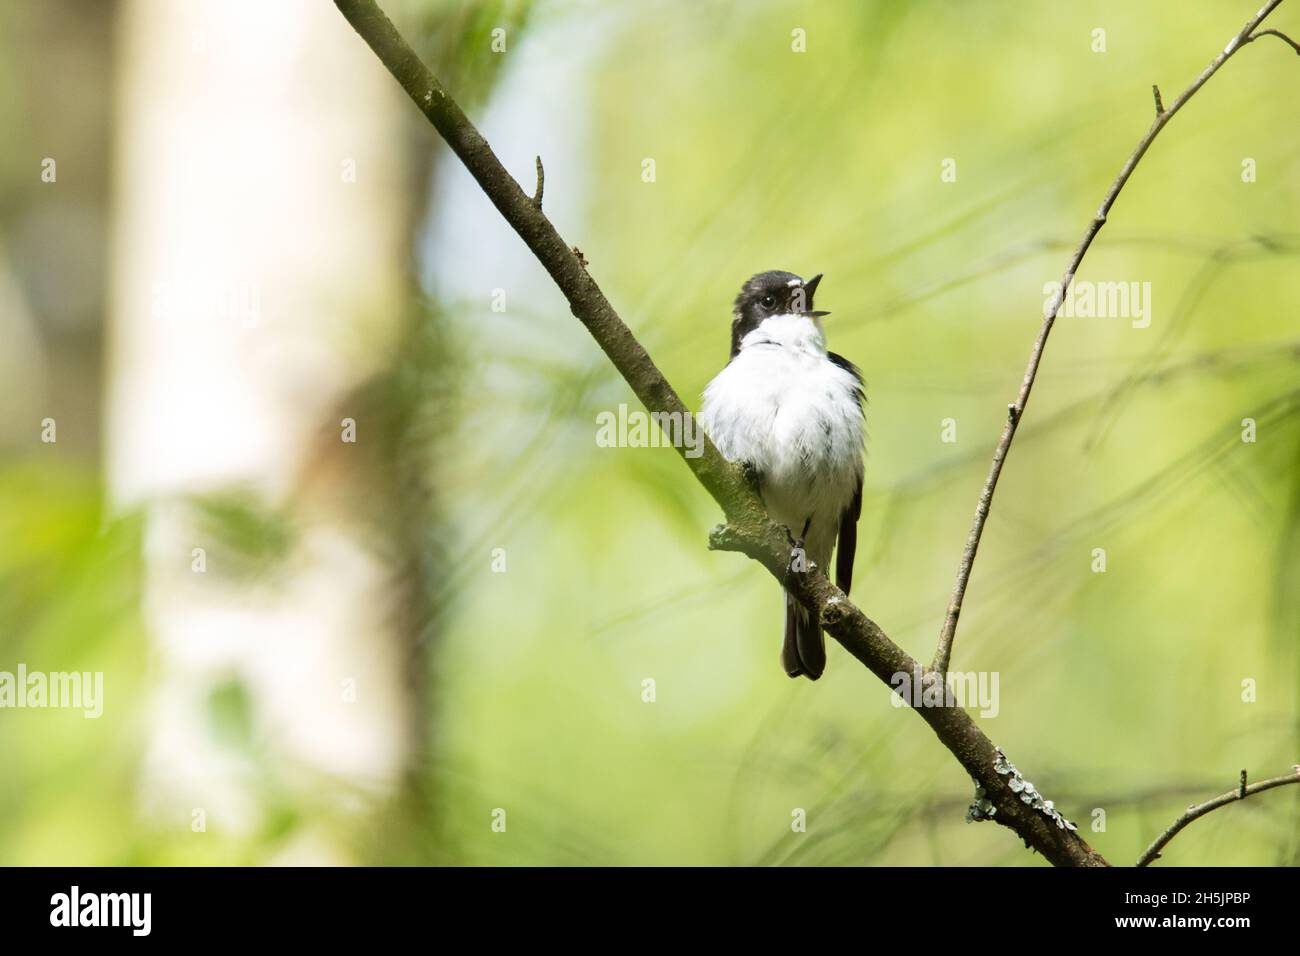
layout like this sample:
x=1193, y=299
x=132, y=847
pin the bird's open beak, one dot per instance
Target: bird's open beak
x=809, y=288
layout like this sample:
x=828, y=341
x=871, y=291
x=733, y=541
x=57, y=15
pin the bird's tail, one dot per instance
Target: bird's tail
x=804, y=650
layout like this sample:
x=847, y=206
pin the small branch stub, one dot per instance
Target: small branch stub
x=832, y=612
x=1160, y=106
x=541, y=184
x=723, y=538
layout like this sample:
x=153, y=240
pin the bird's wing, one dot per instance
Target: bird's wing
x=847, y=547
x=848, y=543
x=853, y=370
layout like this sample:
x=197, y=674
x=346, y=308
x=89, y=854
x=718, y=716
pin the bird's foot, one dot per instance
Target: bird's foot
x=751, y=474
x=800, y=563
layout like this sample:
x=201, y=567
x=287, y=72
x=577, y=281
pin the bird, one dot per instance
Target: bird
x=793, y=415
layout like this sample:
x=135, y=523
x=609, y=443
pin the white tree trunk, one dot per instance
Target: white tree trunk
x=257, y=278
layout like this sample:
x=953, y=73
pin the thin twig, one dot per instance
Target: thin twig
x=749, y=530
x=541, y=184
x=943, y=652
x=1274, y=33
x=1201, y=809
x=1160, y=106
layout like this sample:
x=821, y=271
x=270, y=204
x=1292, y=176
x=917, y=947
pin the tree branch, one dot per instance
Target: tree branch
x=1016, y=411
x=1275, y=33
x=749, y=530
x=1201, y=809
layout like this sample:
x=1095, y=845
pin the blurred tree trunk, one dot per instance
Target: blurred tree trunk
x=276, y=384
x=262, y=244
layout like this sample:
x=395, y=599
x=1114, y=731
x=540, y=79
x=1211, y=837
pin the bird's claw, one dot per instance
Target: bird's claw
x=799, y=561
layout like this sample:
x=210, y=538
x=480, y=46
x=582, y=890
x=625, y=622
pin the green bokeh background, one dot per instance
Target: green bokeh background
x=1120, y=691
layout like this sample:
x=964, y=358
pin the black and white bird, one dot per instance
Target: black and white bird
x=792, y=413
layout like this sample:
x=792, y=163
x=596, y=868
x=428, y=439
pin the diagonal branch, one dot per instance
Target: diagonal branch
x=1201, y=809
x=1016, y=410
x=749, y=530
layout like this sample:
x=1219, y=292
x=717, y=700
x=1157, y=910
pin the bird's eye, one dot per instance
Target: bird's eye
x=768, y=301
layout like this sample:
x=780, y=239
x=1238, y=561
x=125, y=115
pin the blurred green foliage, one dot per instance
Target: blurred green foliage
x=1119, y=690
x=69, y=593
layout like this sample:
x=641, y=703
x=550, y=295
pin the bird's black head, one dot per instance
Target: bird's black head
x=768, y=294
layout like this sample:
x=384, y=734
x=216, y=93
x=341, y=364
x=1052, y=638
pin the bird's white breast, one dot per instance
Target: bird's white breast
x=783, y=405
